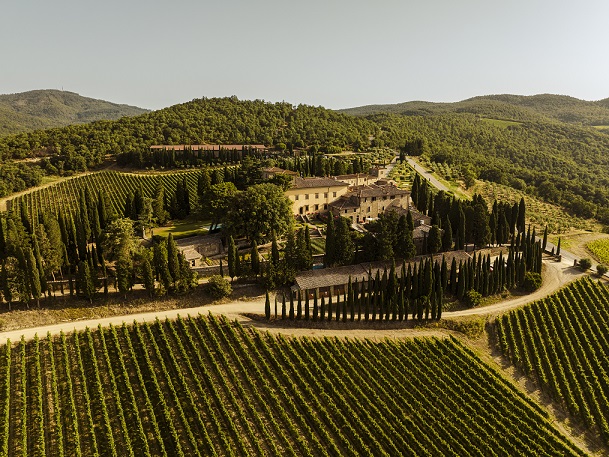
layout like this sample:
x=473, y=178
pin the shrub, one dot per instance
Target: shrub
x=472, y=298
x=532, y=281
x=218, y=287
x=585, y=264
x=601, y=269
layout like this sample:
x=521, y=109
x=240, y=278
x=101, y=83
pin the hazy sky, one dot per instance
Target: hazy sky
x=335, y=53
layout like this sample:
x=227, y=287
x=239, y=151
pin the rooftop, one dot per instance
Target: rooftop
x=308, y=183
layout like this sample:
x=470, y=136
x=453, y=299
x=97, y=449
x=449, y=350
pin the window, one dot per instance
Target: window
x=325, y=194
x=316, y=195
x=345, y=211
x=368, y=209
x=325, y=206
x=354, y=210
x=334, y=194
x=316, y=207
x=296, y=197
x=373, y=199
x=306, y=196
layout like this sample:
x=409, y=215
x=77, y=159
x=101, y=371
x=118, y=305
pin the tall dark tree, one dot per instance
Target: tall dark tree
x=255, y=259
x=330, y=242
x=232, y=254
x=520, y=223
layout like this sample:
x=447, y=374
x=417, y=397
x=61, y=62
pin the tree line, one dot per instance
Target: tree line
x=420, y=289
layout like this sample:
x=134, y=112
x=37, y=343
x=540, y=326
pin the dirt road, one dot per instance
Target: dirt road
x=556, y=275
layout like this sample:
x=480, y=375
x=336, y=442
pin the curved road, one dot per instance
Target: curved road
x=427, y=175
x=556, y=275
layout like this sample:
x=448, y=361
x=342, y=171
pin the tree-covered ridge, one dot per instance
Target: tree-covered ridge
x=561, y=163
x=39, y=109
x=543, y=107
x=215, y=120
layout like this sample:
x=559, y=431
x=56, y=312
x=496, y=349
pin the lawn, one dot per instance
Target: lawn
x=184, y=229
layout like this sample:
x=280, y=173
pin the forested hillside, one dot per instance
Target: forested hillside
x=513, y=107
x=40, y=109
x=511, y=140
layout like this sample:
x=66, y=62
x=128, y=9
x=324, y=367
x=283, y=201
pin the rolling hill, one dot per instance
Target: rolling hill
x=543, y=107
x=40, y=109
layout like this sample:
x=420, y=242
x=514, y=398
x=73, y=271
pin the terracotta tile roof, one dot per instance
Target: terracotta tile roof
x=307, y=183
x=345, y=202
x=375, y=190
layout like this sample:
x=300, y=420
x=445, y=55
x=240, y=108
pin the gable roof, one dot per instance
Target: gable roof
x=309, y=183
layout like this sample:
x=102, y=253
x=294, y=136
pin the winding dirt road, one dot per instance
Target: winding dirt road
x=556, y=275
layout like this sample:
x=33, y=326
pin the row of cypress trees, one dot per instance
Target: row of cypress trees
x=420, y=289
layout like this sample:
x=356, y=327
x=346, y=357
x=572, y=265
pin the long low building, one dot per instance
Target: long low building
x=334, y=280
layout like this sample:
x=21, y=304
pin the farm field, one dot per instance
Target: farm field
x=63, y=196
x=205, y=386
x=539, y=213
x=561, y=342
x=600, y=248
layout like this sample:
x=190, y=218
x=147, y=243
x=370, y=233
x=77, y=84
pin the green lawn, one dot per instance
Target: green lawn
x=184, y=228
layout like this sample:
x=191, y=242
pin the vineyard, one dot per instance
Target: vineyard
x=204, y=386
x=600, y=248
x=64, y=196
x=539, y=213
x=562, y=342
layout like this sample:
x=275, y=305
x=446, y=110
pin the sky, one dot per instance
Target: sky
x=333, y=53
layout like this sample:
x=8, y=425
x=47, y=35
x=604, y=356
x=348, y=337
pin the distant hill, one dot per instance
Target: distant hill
x=40, y=109
x=522, y=108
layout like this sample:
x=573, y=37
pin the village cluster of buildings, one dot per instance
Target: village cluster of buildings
x=358, y=197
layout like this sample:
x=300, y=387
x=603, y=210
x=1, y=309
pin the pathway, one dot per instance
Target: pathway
x=427, y=175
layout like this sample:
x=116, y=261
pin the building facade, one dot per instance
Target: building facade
x=314, y=195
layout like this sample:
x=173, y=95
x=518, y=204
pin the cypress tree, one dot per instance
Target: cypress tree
x=299, y=306
x=545, y=239
x=440, y=300
x=291, y=306
x=306, y=310
x=5, y=286
x=33, y=276
x=351, y=300
x=330, y=307
x=322, y=309
x=315, y=306
x=330, y=242
x=85, y=281
x=447, y=236
x=461, y=230
x=520, y=223
x=267, y=306
x=344, y=312
x=308, y=251
x=338, y=307
x=172, y=259
x=2, y=240
x=147, y=276
x=255, y=259
x=283, y=307
x=221, y=269
x=558, y=248
x=232, y=254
